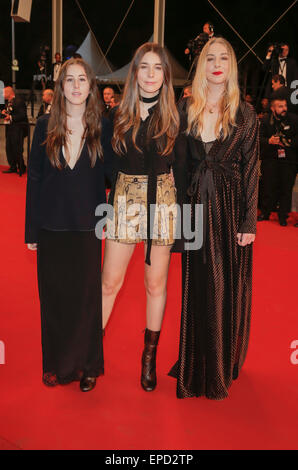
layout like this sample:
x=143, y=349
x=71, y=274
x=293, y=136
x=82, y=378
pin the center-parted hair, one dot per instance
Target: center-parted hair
x=57, y=126
x=164, y=121
x=230, y=100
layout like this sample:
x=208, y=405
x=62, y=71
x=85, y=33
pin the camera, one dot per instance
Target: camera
x=276, y=51
x=196, y=45
x=285, y=134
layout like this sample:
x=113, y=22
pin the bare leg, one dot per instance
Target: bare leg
x=156, y=277
x=116, y=259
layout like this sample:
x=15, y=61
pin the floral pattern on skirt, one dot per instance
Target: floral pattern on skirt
x=129, y=223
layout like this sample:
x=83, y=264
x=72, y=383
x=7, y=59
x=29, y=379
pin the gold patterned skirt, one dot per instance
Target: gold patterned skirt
x=129, y=222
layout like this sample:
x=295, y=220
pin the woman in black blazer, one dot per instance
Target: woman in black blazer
x=69, y=160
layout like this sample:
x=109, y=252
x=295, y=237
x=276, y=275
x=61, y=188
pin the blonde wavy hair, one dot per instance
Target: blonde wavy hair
x=230, y=100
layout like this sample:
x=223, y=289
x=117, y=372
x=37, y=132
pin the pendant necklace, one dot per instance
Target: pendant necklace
x=212, y=109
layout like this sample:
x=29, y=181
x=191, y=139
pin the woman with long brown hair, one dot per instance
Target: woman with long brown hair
x=146, y=139
x=216, y=308
x=69, y=159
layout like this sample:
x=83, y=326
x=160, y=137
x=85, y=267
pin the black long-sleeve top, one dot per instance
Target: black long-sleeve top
x=149, y=162
x=65, y=199
x=134, y=162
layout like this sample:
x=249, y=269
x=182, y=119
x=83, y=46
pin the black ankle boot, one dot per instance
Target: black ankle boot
x=148, y=377
x=87, y=384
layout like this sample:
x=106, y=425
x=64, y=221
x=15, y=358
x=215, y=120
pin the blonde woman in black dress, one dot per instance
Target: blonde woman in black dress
x=224, y=149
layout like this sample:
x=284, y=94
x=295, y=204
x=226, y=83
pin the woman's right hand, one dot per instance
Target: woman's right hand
x=32, y=246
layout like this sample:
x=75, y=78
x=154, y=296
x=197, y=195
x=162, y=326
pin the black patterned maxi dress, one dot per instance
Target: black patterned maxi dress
x=217, y=279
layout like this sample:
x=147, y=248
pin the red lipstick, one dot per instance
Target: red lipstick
x=217, y=73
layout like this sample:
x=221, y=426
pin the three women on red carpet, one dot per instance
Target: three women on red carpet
x=217, y=279
x=70, y=157
x=150, y=174
x=155, y=150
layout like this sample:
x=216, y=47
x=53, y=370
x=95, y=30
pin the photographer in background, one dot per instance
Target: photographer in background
x=194, y=46
x=16, y=128
x=278, y=62
x=279, y=144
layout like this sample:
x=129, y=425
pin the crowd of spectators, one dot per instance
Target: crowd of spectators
x=277, y=109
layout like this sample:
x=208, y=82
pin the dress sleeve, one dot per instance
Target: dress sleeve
x=34, y=180
x=180, y=165
x=250, y=171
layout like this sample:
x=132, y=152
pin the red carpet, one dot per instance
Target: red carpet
x=261, y=412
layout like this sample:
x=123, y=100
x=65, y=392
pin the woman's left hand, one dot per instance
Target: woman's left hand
x=245, y=238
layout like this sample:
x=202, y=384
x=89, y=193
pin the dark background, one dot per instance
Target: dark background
x=183, y=22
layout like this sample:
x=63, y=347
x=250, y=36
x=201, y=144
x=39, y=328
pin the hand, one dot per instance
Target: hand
x=244, y=239
x=32, y=246
x=171, y=177
x=274, y=140
x=4, y=112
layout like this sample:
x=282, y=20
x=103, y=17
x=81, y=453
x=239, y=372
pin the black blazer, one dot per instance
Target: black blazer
x=18, y=111
x=65, y=199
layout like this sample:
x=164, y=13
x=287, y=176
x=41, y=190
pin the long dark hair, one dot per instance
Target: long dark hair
x=57, y=126
x=164, y=122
